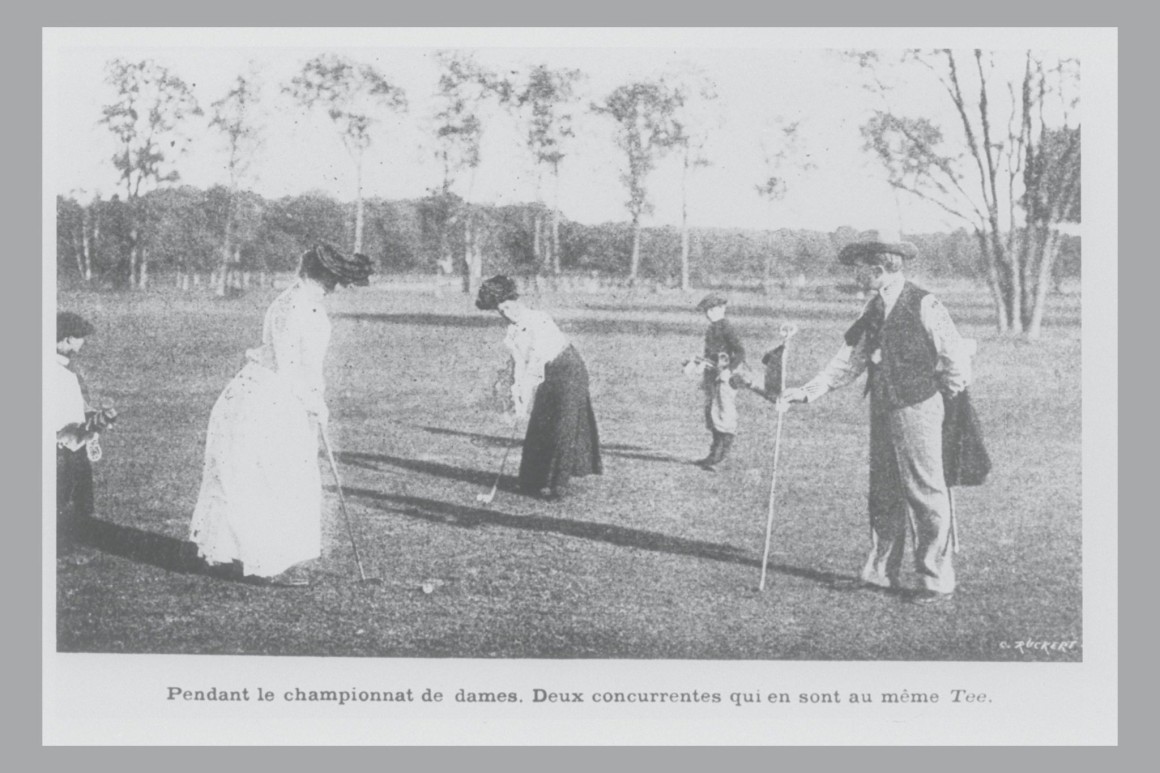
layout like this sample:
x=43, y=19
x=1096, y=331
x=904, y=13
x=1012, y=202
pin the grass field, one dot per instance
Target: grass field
x=654, y=559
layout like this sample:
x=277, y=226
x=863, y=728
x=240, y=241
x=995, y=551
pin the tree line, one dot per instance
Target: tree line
x=1008, y=170
x=181, y=229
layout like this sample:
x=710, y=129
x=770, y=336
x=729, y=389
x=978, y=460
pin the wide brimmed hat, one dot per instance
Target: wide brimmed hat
x=883, y=243
x=712, y=300
x=353, y=270
x=71, y=325
x=495, y=291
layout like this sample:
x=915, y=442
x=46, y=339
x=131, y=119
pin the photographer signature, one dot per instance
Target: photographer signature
x=1028, y=646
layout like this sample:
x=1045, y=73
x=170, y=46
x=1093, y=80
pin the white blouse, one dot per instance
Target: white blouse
x=66, y=405
x=533, y=342
x=295, y=335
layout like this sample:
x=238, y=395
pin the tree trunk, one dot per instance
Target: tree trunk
x=634, y=264
x=134, y=258
x=1050, y=251
x=143, y=270
x=1010, y=264
x=227, y=246
x=84, y=261
x=537, y=249
x=557, y=263
x=685, y=223
x=472, y=256
x=358, y=206
x=91, y=251
x=988, y=260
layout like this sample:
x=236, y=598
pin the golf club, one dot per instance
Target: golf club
x=345, y=515
x=487, y=498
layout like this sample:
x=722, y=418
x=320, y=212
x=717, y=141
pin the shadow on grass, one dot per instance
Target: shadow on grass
x=142, y=547
x=463, y=516
x=438, y=469
x=146, y=547
x=609, y=449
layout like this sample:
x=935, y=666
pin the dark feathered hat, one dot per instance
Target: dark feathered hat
x=353, y=270
x=495, y=291
x=70, y=325
x=883, y=243
x=712, y=300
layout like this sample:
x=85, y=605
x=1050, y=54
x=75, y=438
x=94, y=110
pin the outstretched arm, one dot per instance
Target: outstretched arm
x=843, y=368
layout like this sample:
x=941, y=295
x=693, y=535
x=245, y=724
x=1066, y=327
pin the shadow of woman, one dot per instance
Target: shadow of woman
x=462, y=516
x=146, y=547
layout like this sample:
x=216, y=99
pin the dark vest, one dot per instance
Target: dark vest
x=906, y=375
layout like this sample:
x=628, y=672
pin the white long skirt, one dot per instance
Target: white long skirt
x=261, y=491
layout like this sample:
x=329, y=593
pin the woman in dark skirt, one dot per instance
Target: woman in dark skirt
x=551, y=377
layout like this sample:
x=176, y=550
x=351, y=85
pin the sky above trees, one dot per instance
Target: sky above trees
x=763, y=79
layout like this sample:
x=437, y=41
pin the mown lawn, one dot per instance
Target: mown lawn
x=655, y=559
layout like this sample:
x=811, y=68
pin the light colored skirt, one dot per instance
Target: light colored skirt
x=261, y=490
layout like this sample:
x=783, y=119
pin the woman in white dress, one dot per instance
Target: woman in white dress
x=550, y=379
x=260, y=502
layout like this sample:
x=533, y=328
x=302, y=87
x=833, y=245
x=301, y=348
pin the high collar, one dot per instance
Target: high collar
x=62, y=360
x=310, y=288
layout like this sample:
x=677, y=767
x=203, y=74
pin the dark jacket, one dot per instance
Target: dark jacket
x=722, y=338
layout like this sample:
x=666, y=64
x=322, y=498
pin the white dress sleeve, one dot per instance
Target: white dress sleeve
x=534, y=343
x=299, y=334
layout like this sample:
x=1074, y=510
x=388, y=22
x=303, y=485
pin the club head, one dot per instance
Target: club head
x=485, y=499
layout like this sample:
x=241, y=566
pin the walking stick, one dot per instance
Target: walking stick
x=345, y=515
x=787, y=332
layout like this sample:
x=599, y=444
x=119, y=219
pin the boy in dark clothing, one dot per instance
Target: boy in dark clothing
x=724, y=357
x=77, y=431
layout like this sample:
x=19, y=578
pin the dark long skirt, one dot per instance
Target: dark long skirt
x=562, y=440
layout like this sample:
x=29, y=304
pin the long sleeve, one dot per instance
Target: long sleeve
x=954, y=351
x=533, y=343
x=66, y=405
x=844, y=367
x=298, y=331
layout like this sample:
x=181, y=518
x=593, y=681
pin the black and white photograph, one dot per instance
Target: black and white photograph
x=685, y=378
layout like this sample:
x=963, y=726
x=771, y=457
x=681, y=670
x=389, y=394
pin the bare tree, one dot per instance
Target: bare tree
x=1010, y=168
x=643, y=112
x=464, y=89
x=354, y=96
x=782, y=159
x=695, y=119
x=546, y=101
x=233, y=116
x=146, y=118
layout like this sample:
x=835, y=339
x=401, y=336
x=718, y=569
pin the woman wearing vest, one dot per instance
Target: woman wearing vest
x=906, y=340
x=551, y=380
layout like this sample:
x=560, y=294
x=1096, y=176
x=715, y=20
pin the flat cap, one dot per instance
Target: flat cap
x=71, y=325
x=864, y=252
